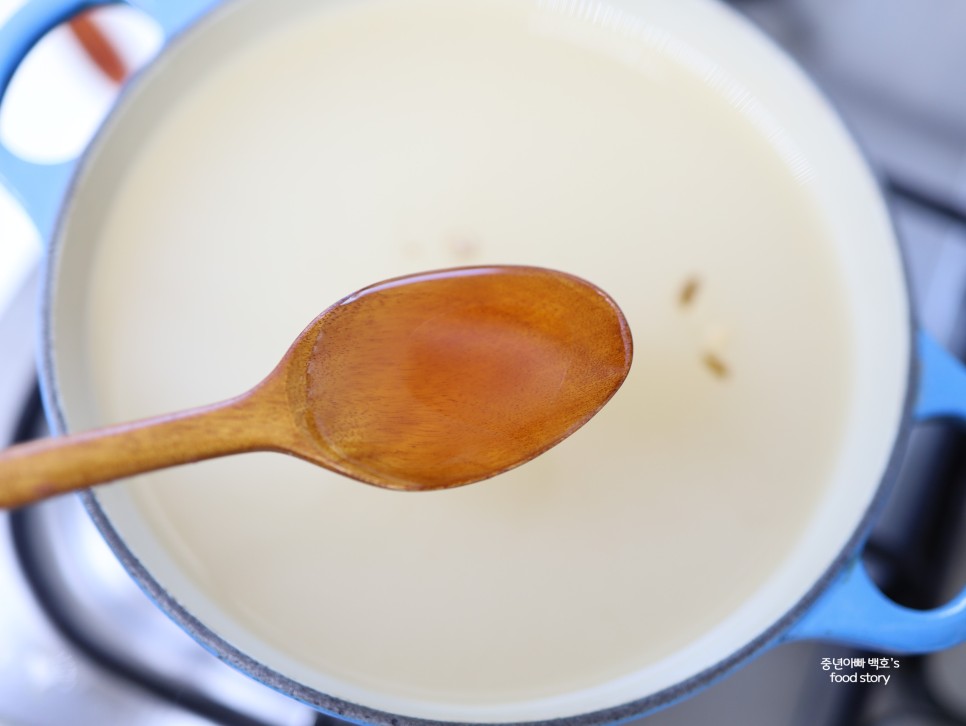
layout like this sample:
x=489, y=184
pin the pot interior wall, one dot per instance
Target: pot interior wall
x=747, y=303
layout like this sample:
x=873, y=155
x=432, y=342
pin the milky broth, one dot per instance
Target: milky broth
x=374, y=139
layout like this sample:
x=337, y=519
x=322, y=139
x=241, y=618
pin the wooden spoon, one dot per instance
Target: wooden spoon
x=422, y=382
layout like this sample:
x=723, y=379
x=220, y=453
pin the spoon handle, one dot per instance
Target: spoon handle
x=40, y=469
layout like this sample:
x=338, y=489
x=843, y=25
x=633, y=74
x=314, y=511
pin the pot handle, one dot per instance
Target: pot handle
x=853, y=610
x=40, y=187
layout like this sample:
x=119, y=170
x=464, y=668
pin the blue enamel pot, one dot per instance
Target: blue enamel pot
x=808, y=582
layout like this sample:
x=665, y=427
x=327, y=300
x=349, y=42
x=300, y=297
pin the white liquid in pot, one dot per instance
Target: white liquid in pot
x=383, y=138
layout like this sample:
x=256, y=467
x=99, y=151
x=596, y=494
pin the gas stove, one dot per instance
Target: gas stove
x=80, y=644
